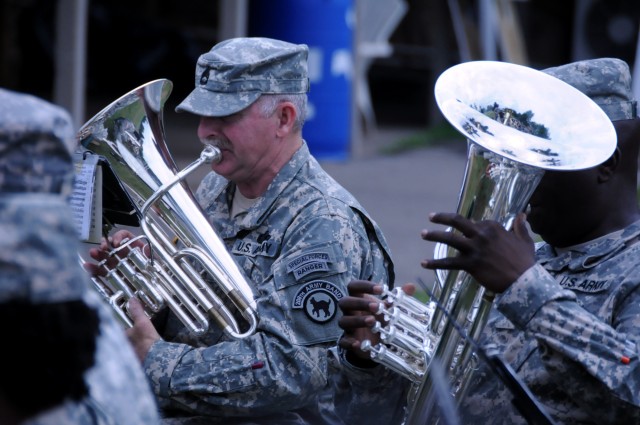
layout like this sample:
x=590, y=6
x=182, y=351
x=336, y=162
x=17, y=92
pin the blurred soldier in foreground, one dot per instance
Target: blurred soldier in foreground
x=567, y=314
x=65, y=359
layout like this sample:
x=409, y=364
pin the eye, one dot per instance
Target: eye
x=233, y=118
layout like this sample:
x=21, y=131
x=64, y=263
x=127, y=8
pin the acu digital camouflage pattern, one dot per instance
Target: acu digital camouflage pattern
x=235, y=72
x=374, y=395
x=36, y=141
x=299, y=244
x=28, y=224
x=119, y=393
x=607, y=81
x=570, y=328
x=39, y=263
x=39, y=258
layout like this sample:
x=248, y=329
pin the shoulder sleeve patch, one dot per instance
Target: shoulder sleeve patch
x=319, y=300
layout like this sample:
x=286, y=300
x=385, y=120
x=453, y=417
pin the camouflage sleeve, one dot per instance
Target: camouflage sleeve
x=119, y=393
x=39, y=265
x=235, y=377
x=118, y=386
x=283, y=365
x=598, y=362
x=367, y=395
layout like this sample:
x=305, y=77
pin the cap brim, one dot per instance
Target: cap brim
x=215, y=104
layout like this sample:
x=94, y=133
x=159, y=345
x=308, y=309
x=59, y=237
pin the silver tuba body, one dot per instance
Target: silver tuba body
x=188, y=269
x=518, y=122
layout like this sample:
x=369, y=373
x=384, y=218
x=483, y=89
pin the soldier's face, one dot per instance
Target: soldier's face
x=561, y=208
x=247, y=142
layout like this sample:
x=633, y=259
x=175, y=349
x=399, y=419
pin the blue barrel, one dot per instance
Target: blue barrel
x=326, y=27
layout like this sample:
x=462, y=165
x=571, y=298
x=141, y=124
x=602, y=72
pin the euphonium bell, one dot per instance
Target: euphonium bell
x=190, y=269
x=518, y=122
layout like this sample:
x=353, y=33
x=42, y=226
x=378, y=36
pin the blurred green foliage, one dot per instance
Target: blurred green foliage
x=434, y=135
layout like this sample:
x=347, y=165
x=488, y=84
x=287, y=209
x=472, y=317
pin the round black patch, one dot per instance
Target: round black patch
x=319, y=300
x=320, y=306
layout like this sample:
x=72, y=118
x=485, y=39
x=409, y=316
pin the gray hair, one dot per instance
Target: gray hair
x=267, y=103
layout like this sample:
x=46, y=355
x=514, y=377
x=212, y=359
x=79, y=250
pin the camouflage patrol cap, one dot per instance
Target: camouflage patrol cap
x=39, y=245
x=236, y=72
x=607, y=81
x=36, y=143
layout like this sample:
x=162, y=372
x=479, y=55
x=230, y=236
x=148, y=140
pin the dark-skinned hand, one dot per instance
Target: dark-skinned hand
x=494, y=256
x=359, y=309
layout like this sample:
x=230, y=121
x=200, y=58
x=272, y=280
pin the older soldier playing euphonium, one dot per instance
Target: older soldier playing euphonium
x=297, y=234
x=567, y=314
x=65, y=359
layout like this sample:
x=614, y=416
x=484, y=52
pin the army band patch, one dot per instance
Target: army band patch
x=318, y=300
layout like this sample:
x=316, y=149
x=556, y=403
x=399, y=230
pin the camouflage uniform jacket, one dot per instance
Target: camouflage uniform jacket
x=39, y=249
x=570, y=328
x=39, y=260
x=375, y=395
x=299, y=245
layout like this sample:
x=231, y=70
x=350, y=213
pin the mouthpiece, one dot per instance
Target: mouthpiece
x=210, y=154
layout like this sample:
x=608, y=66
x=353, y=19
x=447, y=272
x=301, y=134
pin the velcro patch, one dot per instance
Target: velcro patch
x=302, y=271
x=318, y=300
x=307, y=258
x=309, y=263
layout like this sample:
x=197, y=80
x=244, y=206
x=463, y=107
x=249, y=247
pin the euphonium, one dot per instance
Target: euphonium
x=189, y=268
x=518, y=123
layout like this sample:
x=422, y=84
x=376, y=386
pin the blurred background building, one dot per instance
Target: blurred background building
x=373, y=63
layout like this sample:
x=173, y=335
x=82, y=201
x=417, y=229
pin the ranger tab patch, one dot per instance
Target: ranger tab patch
x=309, y=263
x=318, y=300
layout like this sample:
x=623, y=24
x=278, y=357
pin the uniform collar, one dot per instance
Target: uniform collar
x=219, y=191
x=590, y=254
x=259, y=211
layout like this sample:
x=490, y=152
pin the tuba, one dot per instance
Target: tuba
x=189, y=269
x=518, y=123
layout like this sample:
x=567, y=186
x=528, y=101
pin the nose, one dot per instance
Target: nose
x=208, y=127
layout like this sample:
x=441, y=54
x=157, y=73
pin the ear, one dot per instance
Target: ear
x=608, y=168
x=286, y=115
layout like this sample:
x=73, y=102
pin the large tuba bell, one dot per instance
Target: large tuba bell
x=189, y=269
x=518, y=123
